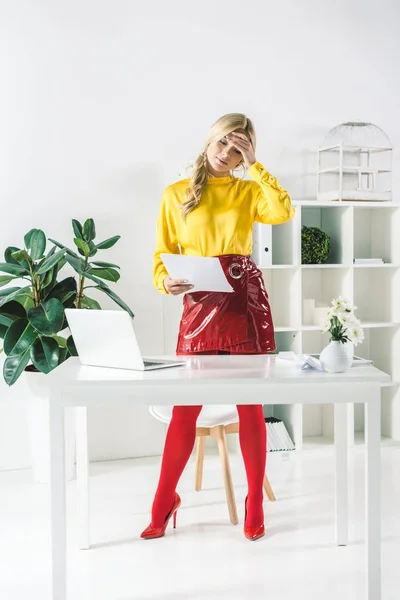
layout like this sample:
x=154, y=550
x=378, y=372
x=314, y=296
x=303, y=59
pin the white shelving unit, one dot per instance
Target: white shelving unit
x=357, y=230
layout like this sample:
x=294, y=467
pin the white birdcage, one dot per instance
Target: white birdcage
x=355, y=163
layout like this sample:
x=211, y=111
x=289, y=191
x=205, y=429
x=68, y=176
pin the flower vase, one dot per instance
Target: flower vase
x=335, y=358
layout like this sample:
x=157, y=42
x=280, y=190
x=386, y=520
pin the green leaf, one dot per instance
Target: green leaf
x=12, y=294
x=48, y=263
x=28, y=237
x=78, y=229
x=93, y=249
x=89, y=230
x=8, y=291
x=37, y=244
x=67, y=250
x=22, y=258
x=71, y=346
x=77, y=263
x=19, y=337
x=61, y=341
x=8, y=255
x=116, y=299
x=47, y=318
x=64, y=290
x=13, y=269
x=109, y=274
x=26, y=301
x=10, y=312
x=47, y=279
x=90, y=303
x=108, y=243
x=4, y=279
x=45, y=354
x=105, y=264
x=3, y=331
x=82, y=245
x=64, y=354
x=14, y=366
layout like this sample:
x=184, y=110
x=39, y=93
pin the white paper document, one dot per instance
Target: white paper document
x=203, y=272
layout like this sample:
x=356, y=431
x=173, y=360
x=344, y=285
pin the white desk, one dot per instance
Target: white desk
x=216, y=380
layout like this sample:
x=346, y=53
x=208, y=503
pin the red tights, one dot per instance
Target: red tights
x=178, y=447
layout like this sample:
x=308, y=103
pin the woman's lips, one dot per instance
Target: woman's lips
x=221, y=162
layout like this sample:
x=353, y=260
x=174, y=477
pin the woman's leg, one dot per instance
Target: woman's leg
x=178, y=447
x=179, y=443
x=253, y=440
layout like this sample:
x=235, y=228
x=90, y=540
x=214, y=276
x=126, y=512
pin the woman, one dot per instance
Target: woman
x=212, y=214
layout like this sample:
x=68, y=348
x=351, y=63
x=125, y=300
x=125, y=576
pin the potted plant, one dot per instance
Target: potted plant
x=344, y=328
x=32, y=317
x=315, y=246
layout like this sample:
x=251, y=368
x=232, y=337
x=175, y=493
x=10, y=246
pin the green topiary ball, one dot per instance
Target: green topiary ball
x=315, y=246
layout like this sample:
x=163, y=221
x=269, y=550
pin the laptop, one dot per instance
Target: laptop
x=106, y=338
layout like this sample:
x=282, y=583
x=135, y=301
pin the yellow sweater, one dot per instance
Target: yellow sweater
x=223, y=221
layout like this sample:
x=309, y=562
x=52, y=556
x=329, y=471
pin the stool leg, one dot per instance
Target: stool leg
x=199, y=462
x=219, y=434
x=268, y=489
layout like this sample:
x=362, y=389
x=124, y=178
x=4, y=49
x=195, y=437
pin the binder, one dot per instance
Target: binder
x=278, y=438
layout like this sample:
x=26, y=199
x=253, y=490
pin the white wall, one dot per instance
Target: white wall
x=102, y=101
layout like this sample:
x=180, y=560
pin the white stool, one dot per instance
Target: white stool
x=216, y=422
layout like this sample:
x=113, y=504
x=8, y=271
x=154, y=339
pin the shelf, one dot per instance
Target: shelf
x=363, y=170
x=325, y=266
x=378, y=324
x=364, y=325
x=337, y=147
x=375, y=266
x=355, y=195
x=345, y=203
x=265, y=267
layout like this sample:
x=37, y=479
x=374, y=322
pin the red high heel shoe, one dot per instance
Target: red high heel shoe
x=151, y=532
x=252, y=533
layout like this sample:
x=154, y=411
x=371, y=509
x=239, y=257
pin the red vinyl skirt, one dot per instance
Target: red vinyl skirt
x=238, y=321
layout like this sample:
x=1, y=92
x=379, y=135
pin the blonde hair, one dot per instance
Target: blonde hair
x=200, y=175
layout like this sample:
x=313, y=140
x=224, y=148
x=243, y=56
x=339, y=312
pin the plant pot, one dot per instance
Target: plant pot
x=37, y=414
x=335, y=358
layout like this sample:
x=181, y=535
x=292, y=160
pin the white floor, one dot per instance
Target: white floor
x=206, y=557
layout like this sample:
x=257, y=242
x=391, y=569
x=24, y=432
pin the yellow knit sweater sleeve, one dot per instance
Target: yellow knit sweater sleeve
x=166, y=238
x=272, y=203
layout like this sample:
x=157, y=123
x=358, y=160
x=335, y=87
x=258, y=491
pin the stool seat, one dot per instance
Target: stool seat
x=210, y=416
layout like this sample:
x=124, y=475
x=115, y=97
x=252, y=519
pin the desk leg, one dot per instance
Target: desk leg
x=373, y=496
x=82, y=478
x=58, y=501
x=341, y=502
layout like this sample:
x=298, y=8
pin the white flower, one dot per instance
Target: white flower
x=355, y=334
x=341, y=304
x=326, y=325
x=347, y=319
x=331, y=312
